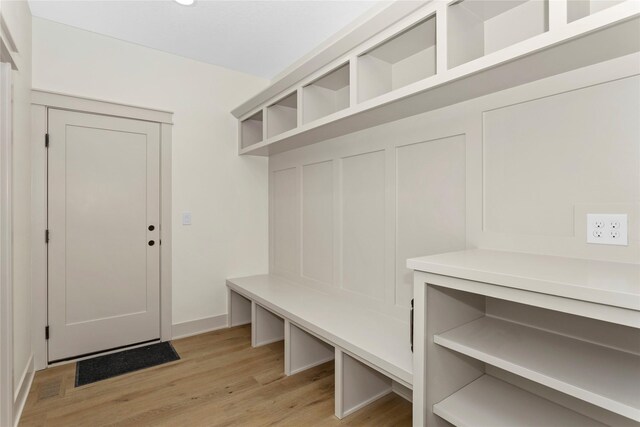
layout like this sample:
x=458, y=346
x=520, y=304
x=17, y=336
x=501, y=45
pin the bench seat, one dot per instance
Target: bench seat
x=376, y=339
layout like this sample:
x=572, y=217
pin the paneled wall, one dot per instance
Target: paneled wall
x=516, y=170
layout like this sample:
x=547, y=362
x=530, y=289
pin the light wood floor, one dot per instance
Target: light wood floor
x=220, y=381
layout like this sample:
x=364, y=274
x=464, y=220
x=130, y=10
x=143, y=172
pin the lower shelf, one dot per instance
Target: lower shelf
x=600, y=375
x=491, y=402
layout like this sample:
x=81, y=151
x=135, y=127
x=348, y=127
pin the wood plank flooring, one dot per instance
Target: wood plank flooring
x=219, y=381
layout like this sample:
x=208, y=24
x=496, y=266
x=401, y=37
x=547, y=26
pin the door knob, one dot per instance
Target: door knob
x=151, y=243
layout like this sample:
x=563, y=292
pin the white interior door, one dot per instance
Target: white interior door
x=103, y=221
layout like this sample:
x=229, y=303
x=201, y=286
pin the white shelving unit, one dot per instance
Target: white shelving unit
x=597, y=374
x=282, y=116
x=476, y=28
x=326, y=95
x=405, y=59
x=421, y=56
x=489, y=401
x=251, y=130
x=520, y=350
x=578, y=9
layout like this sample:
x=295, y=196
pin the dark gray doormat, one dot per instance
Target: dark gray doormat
x=111, y=365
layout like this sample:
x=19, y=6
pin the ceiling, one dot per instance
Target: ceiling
x=256, y=37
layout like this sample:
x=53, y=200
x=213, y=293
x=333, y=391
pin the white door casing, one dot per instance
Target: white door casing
x=6, y=274
x=104, y=194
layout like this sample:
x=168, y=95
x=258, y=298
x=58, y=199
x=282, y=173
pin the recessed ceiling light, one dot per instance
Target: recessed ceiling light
x=185, y=2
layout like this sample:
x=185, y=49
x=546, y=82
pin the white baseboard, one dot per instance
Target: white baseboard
x=402, y=391
x=198, y=326
x=22, y=392
x=367, y=402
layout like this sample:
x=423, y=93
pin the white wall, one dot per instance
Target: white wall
x=517, y=170
x=227, y=194
x=18, y=19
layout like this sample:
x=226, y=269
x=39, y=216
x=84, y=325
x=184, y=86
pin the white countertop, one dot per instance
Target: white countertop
x=609, y=283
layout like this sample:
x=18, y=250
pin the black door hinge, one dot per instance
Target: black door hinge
x=46, y=332
x=46, y=236
x=46, y=140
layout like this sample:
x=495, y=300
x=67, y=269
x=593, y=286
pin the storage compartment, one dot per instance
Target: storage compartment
x=577, y=9
x=251, y=130
x=406, y=58
x=479, y=27
x=282, y=116
x=326, y=95
x=304, y=350
x=266, y=326
x=522, y=358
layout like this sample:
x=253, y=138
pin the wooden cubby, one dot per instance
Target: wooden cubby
x=326, y=95
x=251, y=130
x=404, y=59
x=283, y=115
x=578, y=9
x=476, y=28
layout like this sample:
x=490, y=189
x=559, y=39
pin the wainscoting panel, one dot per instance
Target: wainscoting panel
x=363, y=224
x=286, y=220
x=317, y=222
x=430, y=204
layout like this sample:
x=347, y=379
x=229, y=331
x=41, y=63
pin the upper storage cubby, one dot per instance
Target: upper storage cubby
x=406, y=58
x=402, y=70
x=283, y=115
x=326, y=95
x=577, y=9
x=251, y=130
x=479, y=27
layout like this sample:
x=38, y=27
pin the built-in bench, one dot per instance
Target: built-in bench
x=372, y=351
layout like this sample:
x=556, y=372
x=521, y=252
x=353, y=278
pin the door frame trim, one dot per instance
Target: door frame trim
x=41, y=101
x=6, y=267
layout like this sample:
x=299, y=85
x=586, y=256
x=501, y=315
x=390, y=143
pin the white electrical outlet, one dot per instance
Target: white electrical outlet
x=607, y=229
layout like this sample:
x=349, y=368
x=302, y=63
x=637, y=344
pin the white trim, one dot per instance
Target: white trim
x=40, y=102
x=90, y=105
x=38, y=224
x=405, y=392
x=23, y=391
x=366, y=402
x=199, y=326
x=166, y=245
x=6, y=273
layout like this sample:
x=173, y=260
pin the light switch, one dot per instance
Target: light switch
x=186, y=218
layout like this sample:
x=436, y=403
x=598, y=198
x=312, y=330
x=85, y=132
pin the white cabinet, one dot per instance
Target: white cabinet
x=513, y=339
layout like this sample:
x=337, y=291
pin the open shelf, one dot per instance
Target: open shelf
x=578, y=9
x=251, y=130
x=562, y=49
x=326, y=95
x=283, y=115
x=400, y=61
x=597, y=374
x=479, y=27
x=489, y=401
